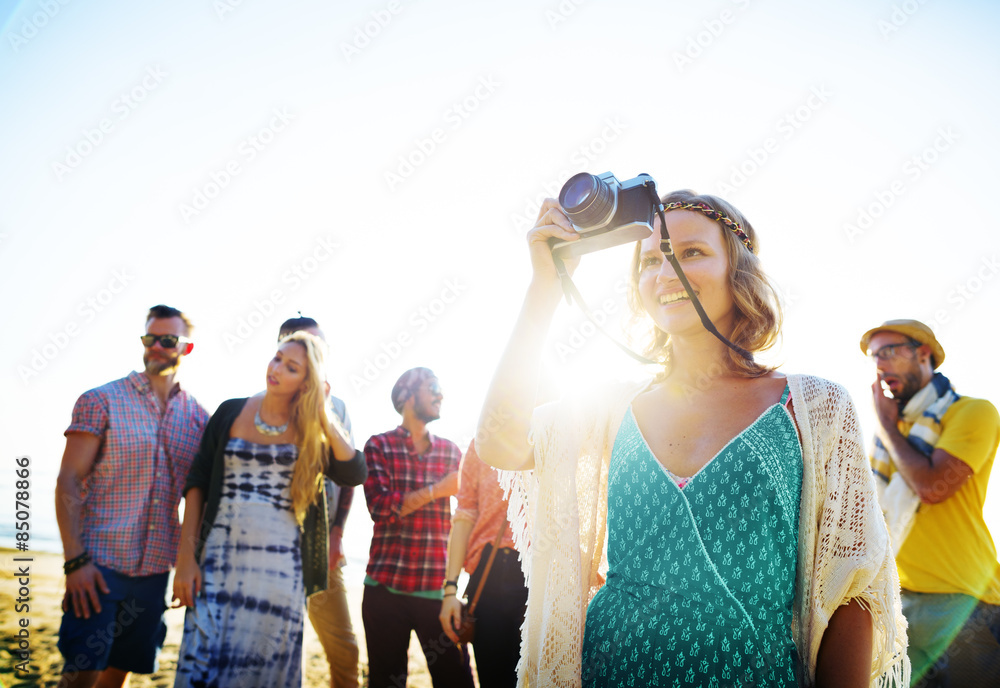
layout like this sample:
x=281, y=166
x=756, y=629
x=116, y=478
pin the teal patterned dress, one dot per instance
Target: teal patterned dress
x=701, y=580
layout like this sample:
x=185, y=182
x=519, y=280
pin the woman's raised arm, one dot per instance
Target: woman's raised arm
x=502, y=436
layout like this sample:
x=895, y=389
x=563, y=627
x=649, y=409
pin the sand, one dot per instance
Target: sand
x=43, y=616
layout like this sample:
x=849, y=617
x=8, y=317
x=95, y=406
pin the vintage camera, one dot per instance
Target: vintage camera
x=605, y=212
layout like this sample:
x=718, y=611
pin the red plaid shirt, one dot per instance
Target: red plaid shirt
x=408, y=554
x=129, y=511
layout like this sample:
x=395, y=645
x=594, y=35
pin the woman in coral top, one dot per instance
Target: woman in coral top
x=482, y=511
x=714, y=526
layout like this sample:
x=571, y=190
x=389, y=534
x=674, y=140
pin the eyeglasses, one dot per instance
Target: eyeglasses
x=889, y=351
x=167, y=341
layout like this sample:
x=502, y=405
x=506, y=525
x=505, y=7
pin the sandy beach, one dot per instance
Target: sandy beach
x=44, y=614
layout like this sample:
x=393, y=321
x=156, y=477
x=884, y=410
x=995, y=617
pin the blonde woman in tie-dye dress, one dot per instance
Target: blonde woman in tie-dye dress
x=253, y=541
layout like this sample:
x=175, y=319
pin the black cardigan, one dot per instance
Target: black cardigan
x=206, y=473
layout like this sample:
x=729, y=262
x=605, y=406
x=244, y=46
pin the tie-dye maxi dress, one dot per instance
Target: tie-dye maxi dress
x=246, y=629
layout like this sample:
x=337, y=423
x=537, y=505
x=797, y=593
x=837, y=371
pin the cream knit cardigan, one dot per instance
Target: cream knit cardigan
x=559, y=511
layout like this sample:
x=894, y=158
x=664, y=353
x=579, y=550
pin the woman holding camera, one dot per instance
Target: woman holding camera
x=716, y=525
x=254, y=536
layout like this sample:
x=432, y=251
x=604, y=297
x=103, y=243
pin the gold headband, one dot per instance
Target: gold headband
x=710, y=212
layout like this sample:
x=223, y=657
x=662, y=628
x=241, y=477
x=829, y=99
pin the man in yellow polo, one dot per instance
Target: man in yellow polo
x=932, y=459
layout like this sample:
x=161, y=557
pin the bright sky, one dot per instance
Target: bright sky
x=376, y=166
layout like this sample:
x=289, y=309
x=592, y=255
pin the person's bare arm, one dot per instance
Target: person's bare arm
x=415, y=499
x=502, y=436
x=451, y=608
x=340, y=440
x=845, y=652
x=933, y=479
x=77, y=462
x=187, y=578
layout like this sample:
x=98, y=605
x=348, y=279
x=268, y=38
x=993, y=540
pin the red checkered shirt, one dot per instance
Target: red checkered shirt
x=129, y=513
x=408, y=554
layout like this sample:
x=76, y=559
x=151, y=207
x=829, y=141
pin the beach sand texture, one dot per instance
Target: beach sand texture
x=45, y=662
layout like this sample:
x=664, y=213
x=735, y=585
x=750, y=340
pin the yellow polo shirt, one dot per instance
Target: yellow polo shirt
x=950, y=549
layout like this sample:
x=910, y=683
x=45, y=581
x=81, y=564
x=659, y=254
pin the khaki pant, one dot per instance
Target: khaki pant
x=329, y=616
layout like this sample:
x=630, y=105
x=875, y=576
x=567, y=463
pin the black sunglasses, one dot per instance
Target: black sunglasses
x=167, y=341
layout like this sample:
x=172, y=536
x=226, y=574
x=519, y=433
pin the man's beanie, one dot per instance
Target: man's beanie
x=407, y=384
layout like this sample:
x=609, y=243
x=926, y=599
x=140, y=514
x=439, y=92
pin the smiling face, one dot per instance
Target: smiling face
x=698, y=244
x=287, y=371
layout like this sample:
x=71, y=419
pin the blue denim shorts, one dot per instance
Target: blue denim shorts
x=128, y=632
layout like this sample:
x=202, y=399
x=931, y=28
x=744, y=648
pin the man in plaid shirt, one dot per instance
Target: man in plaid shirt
x=411, y=475
x=128, y=451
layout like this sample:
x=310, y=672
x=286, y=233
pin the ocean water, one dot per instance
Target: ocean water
x=43, y=529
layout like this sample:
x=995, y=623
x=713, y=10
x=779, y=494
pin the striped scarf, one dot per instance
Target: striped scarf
x=924, y=412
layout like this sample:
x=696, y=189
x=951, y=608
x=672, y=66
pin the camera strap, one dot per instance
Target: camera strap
x=668, y=251
x=573, y=294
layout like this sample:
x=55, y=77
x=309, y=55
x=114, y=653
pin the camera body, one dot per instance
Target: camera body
x=605, y=212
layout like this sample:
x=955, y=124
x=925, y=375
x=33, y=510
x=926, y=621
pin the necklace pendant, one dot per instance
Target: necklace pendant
x=265, y=429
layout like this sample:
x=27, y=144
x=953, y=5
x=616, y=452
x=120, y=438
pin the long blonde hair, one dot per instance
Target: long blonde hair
x=757, y=320
x=313, y=429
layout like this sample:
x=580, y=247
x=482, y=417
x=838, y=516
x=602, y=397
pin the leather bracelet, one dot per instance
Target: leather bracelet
x=450, y=594
x=450, y=582
x=76, y=563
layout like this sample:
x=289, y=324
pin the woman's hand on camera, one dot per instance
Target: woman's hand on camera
x=552, y=222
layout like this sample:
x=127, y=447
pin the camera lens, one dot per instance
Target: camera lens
x=577, y=190
x=588, y=201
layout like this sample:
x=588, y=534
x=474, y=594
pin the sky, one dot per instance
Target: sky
x=376, y=165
